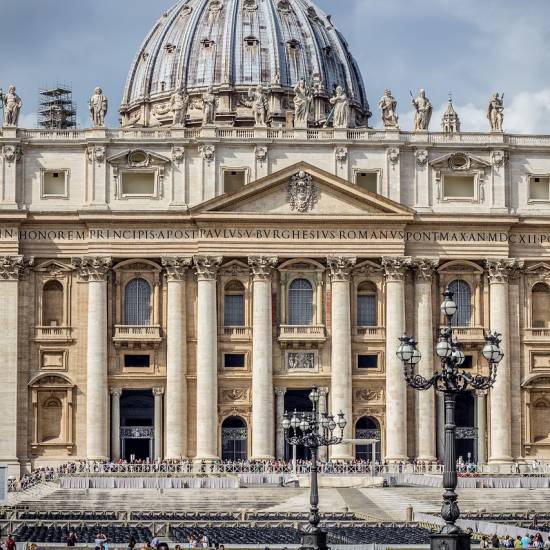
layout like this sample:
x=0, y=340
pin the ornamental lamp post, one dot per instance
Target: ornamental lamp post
x=450, y=381
x=313, y=431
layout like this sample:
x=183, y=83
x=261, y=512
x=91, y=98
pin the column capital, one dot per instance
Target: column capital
x=280, y=392
x=425, y=268
x=396, y=267
x=116, y=391
x=207, y=267
x=158, y=391
x=262, y=266
x=501, y=270
x=93, y=268
x=176, y=267
x=340, y=267
x=12, y=268
x=481, y=393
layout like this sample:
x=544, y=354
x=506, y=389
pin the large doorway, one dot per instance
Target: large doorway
x=234, y=439
x=297, y=400
x=137, y=432
x=368, y=428
x=466, y=432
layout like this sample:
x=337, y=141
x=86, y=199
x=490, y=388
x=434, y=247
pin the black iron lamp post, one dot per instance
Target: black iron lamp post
x=450, y=381
x=313, y=431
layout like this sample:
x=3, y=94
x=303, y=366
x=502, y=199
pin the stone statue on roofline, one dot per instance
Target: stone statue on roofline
x=340, y=113
x=303, y=97
x=179, y=103
x=209, y=106
x=423, y=109
x=495, y=112
x=98, y=108
x=388, y=106
x=11, y=103
x=257, y=101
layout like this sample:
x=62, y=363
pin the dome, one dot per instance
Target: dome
x=236, y=45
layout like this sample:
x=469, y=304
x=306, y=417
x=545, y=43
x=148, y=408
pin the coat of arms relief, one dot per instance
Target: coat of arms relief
x=303, y=193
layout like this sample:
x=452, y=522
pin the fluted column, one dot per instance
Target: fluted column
x=481, y=413
x=501, y=411
x=263, y=418
x=425, y=417
x=11, y=270
x=115, y=423
x=280, y=408
x=176, y=381
x=158, y=393
x=207, y=358
x=396, y=387
x=95, y=271
x=341, y=378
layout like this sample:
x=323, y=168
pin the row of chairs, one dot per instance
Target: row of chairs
x=69, y=516
x=185, y=516
x=117, y=534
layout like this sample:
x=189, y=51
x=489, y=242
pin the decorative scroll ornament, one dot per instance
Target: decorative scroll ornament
x=262, y=266
x=421, y=158
x=207, y=267
x=425, y=267
x=340, y=267
x=178, y=154
x=261, y=153
x=499, y=158
x=396, y=268
x=501, y=270
x=12, y=268
x=369, y=395
x=176, y=267
x=93, y=268
x=236, y=394
x=96, y=154
x=341, y=154
x=12, y=153
x=393, y=155
x=302, y=193
x=207, y=152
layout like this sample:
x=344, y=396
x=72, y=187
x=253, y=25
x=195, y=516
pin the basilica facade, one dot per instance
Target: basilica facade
x=171, y=287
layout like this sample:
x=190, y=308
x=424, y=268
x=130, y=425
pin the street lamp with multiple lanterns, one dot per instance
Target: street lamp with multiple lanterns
x=313, y=430
x=450, y=381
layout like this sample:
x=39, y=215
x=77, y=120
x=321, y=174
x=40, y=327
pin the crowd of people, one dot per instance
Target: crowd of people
x=527, y=541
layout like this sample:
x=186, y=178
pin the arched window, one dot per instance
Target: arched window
x=540, y=300
x=52, y=304
x=137, y=302
x=300, y=303
x=233, y=304
x=367, y=305
x=234, y=439
x=463, y=300
x=368, y=428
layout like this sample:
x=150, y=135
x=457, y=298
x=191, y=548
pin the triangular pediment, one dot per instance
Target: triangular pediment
x=459, y=162
x=303, y=190
x=138, y=158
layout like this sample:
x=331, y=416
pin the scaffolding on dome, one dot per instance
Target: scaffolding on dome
x=56, y=109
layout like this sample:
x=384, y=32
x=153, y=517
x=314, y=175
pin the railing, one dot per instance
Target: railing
x=310, y=134
x=469, y=334
x=302, y=332
x=532, y=334
x=137, y=432
x=134, y=332
x=52, y=334
x=235, y=333
x=466, y=432
x=370, y=333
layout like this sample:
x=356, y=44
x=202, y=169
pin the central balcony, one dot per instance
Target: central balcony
x=302, y=333
x=369, y=334
x=533, y=335
x=472, y=335
x=137, y=335
x=53, y=334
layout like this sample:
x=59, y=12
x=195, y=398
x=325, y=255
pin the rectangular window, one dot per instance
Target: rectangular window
x=468, y=362
x=233, y=310
x=366, y=310
x=54, y=183
x=233, y=180
x=539, y=188
x=459, y=187
x=138, y=184
x=234, y=361
x=137, y=361
x=367, y=361
x=368, y=181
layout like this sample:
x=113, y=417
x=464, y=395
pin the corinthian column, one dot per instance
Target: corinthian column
x=176, y=382
x=11, y=270
x=207, y=358
x=396, y=387
x=263, y=420
x=426, y=430
x=95, y=271
x=500, y=410
x=341, y=381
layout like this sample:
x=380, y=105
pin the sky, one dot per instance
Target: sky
x=469, y=48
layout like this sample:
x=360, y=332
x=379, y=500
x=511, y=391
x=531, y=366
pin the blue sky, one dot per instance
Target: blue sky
x=469, y=47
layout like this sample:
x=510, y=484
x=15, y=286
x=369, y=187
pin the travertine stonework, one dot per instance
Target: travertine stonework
x=124, y=265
